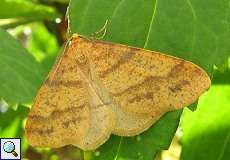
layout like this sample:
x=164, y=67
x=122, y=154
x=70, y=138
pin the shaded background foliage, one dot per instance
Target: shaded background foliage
x=32, y=34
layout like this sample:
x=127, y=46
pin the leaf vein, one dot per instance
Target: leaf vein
x=194, y=23
x=151, y=23
x=116, y=8
x=118, y=149
x=224, y=146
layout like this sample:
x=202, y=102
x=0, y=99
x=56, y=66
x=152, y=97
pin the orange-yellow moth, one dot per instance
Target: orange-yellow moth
x=97, y=89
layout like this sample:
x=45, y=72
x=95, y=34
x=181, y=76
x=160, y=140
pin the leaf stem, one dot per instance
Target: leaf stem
x=81, y=154
x=87, y=155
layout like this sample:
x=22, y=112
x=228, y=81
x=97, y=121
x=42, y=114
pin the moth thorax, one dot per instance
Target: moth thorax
x=81, y=58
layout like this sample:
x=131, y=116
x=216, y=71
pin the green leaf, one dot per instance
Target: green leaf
x=59, y=1
x=20, y=74
x=143, y=146
x=26, y=10
x=43, y=45
x=182, y=28
x=11, y=23
x=221, y=77
x=191, y=29
x=12, y=124
x=207, y=130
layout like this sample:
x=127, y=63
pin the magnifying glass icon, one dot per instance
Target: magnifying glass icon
x=9, y=147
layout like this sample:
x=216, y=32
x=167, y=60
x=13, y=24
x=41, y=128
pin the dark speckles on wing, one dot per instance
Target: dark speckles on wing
x=124, y=59
x=57, y=113
x=76, y=84
x=138, y=98
x=43, y=132
x=145, y=81
x=73, y=121
x=178, y=87
x=53, y=117
x=174, y=71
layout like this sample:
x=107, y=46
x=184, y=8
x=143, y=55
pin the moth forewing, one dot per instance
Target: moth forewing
x=99, y=88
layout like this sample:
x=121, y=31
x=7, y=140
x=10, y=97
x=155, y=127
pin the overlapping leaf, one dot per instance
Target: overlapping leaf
x=20, y=74
x=27, y=10
x=207, y=131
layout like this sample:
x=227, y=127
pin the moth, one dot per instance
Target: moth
x=98, y=88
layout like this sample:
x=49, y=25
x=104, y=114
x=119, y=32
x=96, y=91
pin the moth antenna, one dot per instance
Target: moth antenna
x=103, y=30
x=103, y=35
